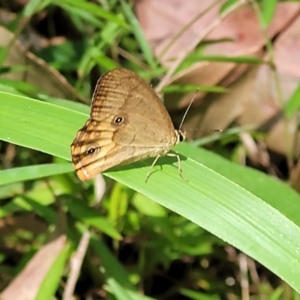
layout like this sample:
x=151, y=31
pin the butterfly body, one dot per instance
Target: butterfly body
x=128, y=122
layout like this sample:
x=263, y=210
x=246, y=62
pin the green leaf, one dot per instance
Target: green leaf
x=118, y=280
x=91, y=217
x=139, y=35
x=38, y=125
x=33, y=172
x=267, y=12
x=227, y=5
x=184, y=88
x=92, y=8
x=35, y=6
x=293, y=104
x=53, y=278
x=246, y=208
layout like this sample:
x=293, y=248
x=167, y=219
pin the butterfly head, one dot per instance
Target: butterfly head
x=180, y=135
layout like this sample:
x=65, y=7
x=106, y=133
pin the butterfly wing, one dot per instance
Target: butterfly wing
x=128, y=122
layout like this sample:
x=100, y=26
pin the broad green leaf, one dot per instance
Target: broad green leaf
x=38, y=125
x=246, y=208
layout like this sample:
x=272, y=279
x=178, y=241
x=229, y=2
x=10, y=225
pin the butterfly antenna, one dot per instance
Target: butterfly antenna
x=188, y=108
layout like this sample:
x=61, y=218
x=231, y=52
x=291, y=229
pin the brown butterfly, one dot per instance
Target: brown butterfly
x=128, y=122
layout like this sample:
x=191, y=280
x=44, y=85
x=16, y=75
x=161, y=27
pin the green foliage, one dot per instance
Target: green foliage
x=163, y=221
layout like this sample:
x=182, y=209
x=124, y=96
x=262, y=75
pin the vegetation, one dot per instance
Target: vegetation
x=230, y=231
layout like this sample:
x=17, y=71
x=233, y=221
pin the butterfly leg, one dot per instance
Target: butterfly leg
x=179, y=164
x=153, y=164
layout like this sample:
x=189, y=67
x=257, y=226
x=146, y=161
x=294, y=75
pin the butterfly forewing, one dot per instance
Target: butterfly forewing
x=124, y=90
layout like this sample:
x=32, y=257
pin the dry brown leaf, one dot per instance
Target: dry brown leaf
x=162, y=20
x=219, y=111
x=264, y=105
x=26, y=285
x=239, y=33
